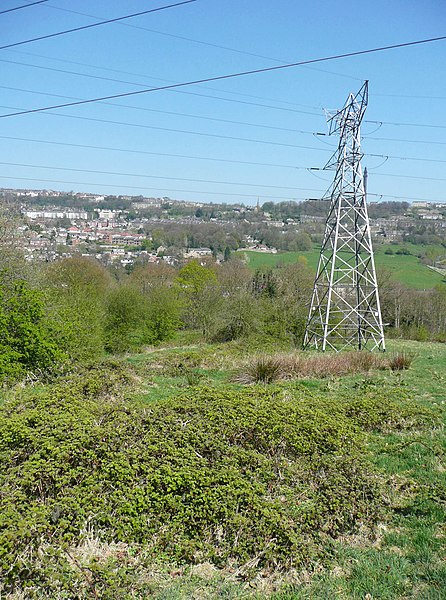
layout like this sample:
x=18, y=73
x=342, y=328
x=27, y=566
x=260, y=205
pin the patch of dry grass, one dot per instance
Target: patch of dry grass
x=267, y=369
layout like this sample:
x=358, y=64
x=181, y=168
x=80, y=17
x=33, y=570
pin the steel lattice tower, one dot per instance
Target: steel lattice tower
x=345, y=309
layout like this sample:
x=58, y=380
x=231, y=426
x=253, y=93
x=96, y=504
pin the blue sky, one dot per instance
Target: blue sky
x=196, y=143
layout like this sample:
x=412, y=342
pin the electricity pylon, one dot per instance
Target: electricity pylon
x=345, y=309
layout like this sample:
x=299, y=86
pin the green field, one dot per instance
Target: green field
x=406, y=269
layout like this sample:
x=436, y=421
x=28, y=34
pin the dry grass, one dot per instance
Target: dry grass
x=267, y=369
x=400, y=361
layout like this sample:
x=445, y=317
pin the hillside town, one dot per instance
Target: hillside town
x=127, y=230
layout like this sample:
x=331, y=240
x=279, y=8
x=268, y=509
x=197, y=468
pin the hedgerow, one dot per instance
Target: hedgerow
x=267, y=477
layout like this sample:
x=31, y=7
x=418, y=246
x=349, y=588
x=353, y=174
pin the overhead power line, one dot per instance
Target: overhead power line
x=382, y=139
x=187, y=132
x=101, y=68
x=421, y=177
x=415, y=96
x=166, y=178
x=202, y=117
x=207, y=192
x=236, y=138
x=294, y=110
x=205, y=158
x=135, y=187
x=115, y=20
x=149, y=153
x=228, y=76
x=201, y=42
x=164, y=112
x=414, y=158
x=195, y=180
x=407, y=124
x=2, y=12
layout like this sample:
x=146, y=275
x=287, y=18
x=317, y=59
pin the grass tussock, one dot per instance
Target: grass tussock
x=263, y=369
x=401, y=361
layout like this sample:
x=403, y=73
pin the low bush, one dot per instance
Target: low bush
x=265, y=477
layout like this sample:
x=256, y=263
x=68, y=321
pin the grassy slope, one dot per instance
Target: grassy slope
x=404, y=562
x=405, y=268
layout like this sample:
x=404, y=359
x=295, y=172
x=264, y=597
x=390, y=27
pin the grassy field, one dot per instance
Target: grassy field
x=398, y=417
x=404, y=268
x=404, y=558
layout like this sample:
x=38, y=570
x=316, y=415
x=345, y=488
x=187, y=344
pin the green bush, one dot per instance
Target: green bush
x=134, y=319
x=162, y=318
x=221, y=476
x=124, y=319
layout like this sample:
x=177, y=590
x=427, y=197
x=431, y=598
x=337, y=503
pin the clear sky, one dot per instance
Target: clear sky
x=232, y=140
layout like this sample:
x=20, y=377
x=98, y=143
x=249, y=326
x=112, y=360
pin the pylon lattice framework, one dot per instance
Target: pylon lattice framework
x=345, y=309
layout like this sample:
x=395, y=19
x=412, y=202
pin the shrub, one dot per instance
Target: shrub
x=124, y=320
x=257, y=475
x=162, y=315
x=240, y=316
x=75, y=290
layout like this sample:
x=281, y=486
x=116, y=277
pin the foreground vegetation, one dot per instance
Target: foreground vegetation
x=164, y=475
x=161, y=436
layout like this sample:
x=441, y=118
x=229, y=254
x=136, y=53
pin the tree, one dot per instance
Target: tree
x=162, y=315
x=198, y=290
x=124, y=319
x=233, y=276
x=193, y=277
x=25, y=343
x=240, y=315
x=152, y=275
x=75, y=290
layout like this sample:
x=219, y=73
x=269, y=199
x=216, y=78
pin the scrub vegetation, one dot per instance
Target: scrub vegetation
x=162, y=435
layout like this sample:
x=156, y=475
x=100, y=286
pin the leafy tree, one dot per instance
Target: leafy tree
x=233, y=276
x=197, y=288
x=25, y=343
x=193, y=277
x=134, y=319
x=240, y=316
x=124, y=319
x=264, y=282
x=152, y=275
x=75, y=291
